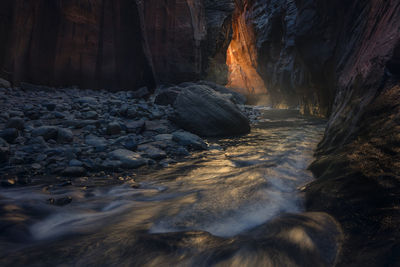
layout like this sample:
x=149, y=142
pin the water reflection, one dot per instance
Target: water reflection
x=251, y=180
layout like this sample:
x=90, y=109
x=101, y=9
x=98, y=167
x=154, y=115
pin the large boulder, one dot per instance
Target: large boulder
x=203, y=111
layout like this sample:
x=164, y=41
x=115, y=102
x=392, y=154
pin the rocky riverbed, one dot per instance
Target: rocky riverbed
x=86, y=137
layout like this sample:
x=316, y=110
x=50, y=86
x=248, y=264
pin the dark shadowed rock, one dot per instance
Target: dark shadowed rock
x=99, y=143
x=167, y=96
x=9, y=134
x=60, y=201
x=201, y=110
x=189, y=140
x=139, y=93
x=233, y=96
x=128, y=159
x=16, y=123
x=152, y=152
x=75, y=171
x=47, y=132
x=4, y=83
x=64, y=135
x=113, y=128
x=4, y=151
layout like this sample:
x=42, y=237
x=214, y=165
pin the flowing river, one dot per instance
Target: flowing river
x=178, y=213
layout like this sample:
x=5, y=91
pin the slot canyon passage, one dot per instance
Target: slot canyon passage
x=199, y=133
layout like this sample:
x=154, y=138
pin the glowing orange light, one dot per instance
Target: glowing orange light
x=242, y=58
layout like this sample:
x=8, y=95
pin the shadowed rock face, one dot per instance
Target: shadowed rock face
x=92, y=44
x=176, y=32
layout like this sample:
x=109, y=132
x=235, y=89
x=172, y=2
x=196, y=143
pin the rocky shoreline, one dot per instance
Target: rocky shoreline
x=71, y=135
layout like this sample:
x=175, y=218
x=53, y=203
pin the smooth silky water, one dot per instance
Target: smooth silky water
x=242, y=183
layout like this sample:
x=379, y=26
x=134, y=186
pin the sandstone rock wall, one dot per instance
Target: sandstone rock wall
x=92, y=44
x=176, y=31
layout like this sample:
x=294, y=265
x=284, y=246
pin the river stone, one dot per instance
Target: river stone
x=86, y=100
x=152, y=152
x=129, y=159
x=113, y=128
x=188, y=139
x=202, y=111
x=16, y=123
x=47, y=132
x=99, y=143
x=4, y=151
x=65, y=135
x=9, y=134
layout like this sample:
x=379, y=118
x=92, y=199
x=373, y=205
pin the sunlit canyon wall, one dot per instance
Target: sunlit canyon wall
x=242, y=58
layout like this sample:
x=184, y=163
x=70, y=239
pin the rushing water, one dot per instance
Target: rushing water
x=241, y=183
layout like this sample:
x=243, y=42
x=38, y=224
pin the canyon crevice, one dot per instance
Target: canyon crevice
x=334, y=59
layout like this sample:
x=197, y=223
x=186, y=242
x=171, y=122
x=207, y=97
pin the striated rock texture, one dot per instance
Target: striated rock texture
x=219, y=35
x=176, y=31
x=92, y=44
x=342, y=59
x=242, y=55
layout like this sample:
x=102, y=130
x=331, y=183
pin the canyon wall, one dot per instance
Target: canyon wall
x=342, y=59
x=91, y=44
x=176, y=32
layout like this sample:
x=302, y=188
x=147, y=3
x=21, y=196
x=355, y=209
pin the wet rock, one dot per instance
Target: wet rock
x=4, y=83
x=99, y=143
x=135, y=126
x=90, y=115
x=60, y=201
x=159, y=126
x=9, y=134
x=190, y=140
x=167, y=96
x=152, y=152
x=15, y=113
x=86, y=100
x=113, y=128
x=8, y=182
x=110, y=164
x=64, y=135
x=50, y=106
x=201, y=110
x=47, y=132
x=16, y=123
x=129, y=142
x=129, y=159
x=78, y=124
x=179, y=151
x=75, y=163
x=163, y=137
x=74, y=171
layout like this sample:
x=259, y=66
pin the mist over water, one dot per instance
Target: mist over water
x=239, y=184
